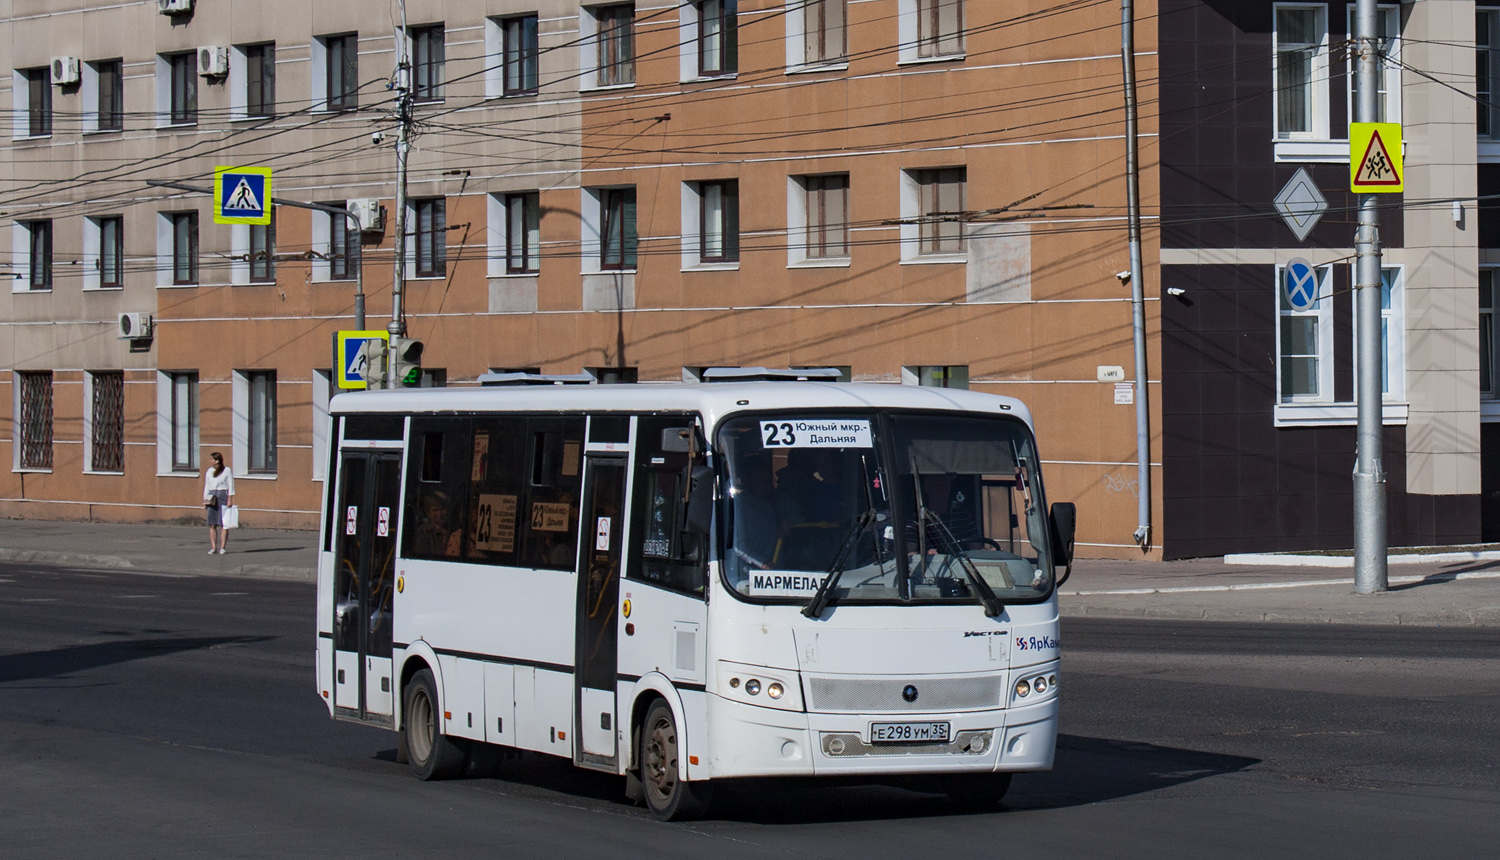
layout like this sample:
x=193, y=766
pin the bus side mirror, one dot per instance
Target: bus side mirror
x=1064, y=524
x=700, y=503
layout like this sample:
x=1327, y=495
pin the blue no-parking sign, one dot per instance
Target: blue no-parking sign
x=242, y=195
x=1299, y=282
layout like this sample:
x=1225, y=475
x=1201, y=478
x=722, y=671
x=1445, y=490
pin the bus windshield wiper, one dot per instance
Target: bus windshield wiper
x=820, y=598
x=992, y=604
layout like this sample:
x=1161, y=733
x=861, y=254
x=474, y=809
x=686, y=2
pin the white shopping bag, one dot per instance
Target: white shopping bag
x=231, y=517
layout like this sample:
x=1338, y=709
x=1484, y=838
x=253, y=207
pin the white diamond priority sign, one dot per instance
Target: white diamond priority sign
x=242, y=195
x=1301, y=204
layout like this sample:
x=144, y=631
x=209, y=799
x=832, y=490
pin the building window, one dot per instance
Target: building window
x=1393, y=333
x=613, y=375
x=263, y=253
x=718, y=37
x=719, y=221
x=940, y=28
x=35, y=419
x=261, y=418
x=184, y=244
x=1388, y=68
x=183, y=421
x=107, y=421
x=431, y=237
x=38, y=254
x=1301, y=71
x=182, y=70
x=427, y=63
x=260, y=80
x=1304, y=342
x=520, y=55
x=110, y=106
x=1488, y=389
x=341, y=71
x=38, y=101
x=616, y=26
x=1487, y=70
x=824, y=38
x=936, y=375
x=111, y=251
x=940, y=210
x=523, y=220
x=617, y=220
x=433, y=377
x=827, y=199
x=343, y=246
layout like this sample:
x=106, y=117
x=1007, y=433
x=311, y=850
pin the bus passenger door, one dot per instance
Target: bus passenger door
x=364, y=586
x=598, y=598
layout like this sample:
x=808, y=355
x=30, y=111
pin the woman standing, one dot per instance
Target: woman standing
x=218, y=494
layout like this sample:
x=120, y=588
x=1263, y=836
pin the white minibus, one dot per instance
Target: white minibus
x=686, y=583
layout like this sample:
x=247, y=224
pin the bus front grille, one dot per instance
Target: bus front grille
x=849, y=744
x=895, y=695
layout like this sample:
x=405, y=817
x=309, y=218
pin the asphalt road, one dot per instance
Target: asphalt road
x=164, y=716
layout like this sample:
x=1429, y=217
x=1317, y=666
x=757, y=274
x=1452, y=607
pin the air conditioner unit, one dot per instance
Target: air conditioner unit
x=64, y=71
x=369, y=212
x=135, y=326
x=213, y=61
x=174, y=7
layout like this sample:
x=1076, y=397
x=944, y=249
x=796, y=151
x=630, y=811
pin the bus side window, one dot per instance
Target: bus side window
x=663, y=554
x=437, y=497
x=496, y=487
x=550, y=515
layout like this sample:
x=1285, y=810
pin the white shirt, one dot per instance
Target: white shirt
x=224, y=481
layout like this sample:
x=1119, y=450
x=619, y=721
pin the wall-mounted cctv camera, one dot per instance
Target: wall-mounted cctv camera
x=1123, y=277
x=378, y=137
x=1176, y=291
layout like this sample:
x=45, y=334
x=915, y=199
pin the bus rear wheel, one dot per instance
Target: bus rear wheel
x=431, y=754
x=669, y=797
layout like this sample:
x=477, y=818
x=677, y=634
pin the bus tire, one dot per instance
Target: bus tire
x=977, y=792
x=431, y=754
x=669, y=797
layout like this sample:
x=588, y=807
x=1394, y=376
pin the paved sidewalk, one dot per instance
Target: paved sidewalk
x=1450, y=594
x=160, y=549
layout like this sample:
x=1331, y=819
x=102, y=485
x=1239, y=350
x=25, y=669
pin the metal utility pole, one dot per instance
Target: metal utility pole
x=1369, y=476
x=1137, y=279
x=397, y=328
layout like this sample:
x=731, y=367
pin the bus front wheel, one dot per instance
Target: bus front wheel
x=668, y=796
x=431, y=754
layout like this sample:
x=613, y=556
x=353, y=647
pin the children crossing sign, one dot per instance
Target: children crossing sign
x=242, y=195
x=1375, y=158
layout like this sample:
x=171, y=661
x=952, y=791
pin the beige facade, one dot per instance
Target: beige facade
x=1024, y=110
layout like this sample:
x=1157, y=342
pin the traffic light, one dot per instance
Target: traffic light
x=405, y=362
x=373, y=362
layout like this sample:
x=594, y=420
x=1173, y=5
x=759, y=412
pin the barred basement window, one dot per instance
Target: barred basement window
x=36, y=419
x=108, y=431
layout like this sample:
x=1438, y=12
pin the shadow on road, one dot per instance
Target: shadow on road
x=1449, y=575
x=31, y=665
x=1086, y=770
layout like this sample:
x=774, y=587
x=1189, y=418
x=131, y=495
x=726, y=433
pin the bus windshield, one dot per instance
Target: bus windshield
x=902, y=507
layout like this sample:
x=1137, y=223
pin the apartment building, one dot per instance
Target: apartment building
x=915, y=191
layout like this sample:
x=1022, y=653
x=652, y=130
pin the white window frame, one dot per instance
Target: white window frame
x=88, y=96
x=498, y=235
x=21, y=257
x=589, y=47
x=911, y=211
x=164, y=93
x=239, y=82
x=322, y=392
x=1390, y=73
x=692, y=230
x=21, y=104
x=1489, y=144
x=164, y=421
x=796, y=41
x=318, y=71
x=913, y=374
x=89, y=419
x=240, y=428
x=411, y=240
x=93, y=253
x=1320, y=84
x=1323, y=313
x=797, y=224
x=1394, y=342
x=908, y=51
x=17, y=428
x=495, y=56
x=591, y=224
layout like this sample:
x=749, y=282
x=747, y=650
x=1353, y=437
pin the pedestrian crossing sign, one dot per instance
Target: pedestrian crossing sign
x=1375, y=158
x=348, y=358
x=242, y=195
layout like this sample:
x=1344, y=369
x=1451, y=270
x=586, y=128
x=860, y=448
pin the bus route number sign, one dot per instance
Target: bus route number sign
x=816, y=434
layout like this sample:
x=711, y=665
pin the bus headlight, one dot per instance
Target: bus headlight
x=762, y=686
x=1023, y=688
x=752, y=687
x=775, y=690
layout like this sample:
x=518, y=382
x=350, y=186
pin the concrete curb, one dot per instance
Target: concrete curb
x=120, y=564
x=1266, y=586
x=65, y=559
x=1488, y=617
x=1347, y=561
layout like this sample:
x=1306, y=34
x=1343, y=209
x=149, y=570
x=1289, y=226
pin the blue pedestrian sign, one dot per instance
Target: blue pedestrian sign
x=348, y=357
x=242, y=195
x=1299, y=281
